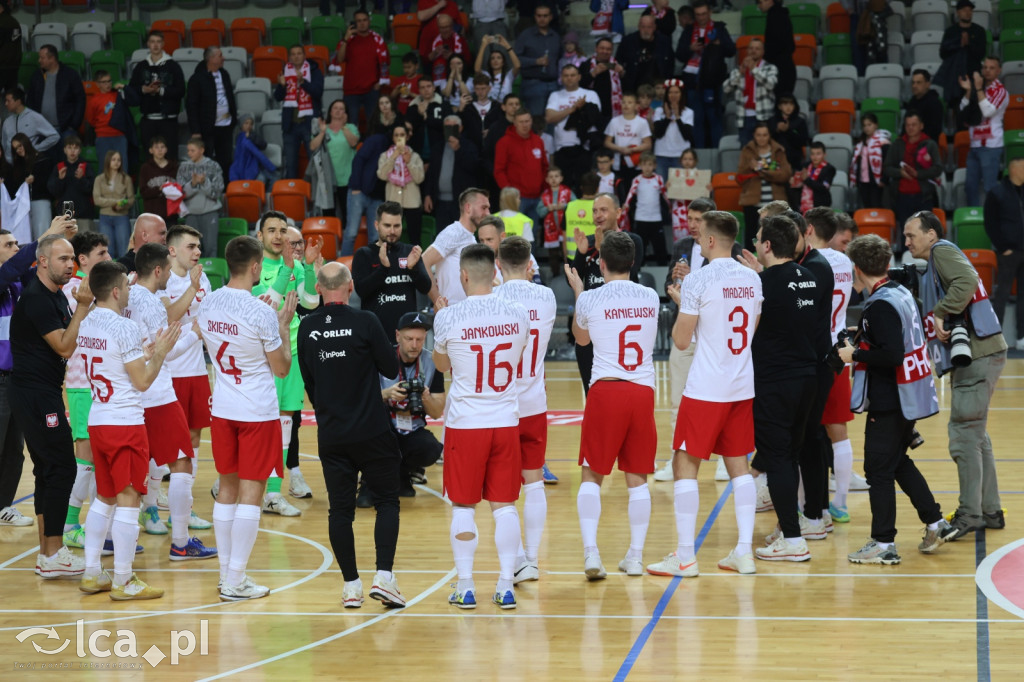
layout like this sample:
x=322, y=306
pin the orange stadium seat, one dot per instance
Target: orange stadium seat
x=245, y=199
x=880, y=221
x=941, y=215
x=329, y=229
x=726, y=191
x=837, y=19
x=248, y=32
x=406, y=29
x=207, y=32
x=984, y=261
x=362, y=236
x=320, y=55
x=806, y=50
x=1013, y=119
x=835, y=115
x=346, y=261
x=268, y=62
x=291, y=197
x=961, y=145
x=174, y=33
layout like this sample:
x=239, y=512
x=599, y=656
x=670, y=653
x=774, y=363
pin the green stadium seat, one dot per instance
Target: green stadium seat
x=232, y=226
x=127, y=36
x=806, y=17
x=379, y=24
x=887, y=109
x=74, y=59
x=1011, y=14
x=1011, y=42
x=428, y=229
x=1013, y=144
x=969, y=226
x=752, y=21
x=327, y=31
x=287, y=31
x=217, y=270
x=742, y=223
x=836, y=48
x=29, y=65
x=107, y=60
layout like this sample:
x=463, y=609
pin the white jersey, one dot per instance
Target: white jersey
x=499, y=278
x=726, y=296
x=239, y=330
x=75, y=376
x=563, y=99
x=450, y=243
x=106, y=343
x=541, y=307
x=147, y=311
x=627, y=132
x=190, y=363
x=484, y=337
x=622, y=318
x=842, y=268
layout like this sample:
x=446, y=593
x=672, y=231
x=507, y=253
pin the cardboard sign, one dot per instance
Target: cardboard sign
x=687, y=184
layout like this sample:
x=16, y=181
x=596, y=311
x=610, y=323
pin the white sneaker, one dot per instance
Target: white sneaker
x=672, y=565
x=525, y=572
x=385, y=590
x=664, y=473
x=1019, y=345
x=782, y=550
x=10, y=516
x=352, y=595
x=857, y=482
x=740, y=563
x=810, y=530
x=64, y=564
x=764, y=500
x=215, y=489
x=151, y=521
x=161, y=500
x=593, y=567
x=274, y=503
x=246, y=590
x=297, y=484
x=632, y=566
x=721, y=473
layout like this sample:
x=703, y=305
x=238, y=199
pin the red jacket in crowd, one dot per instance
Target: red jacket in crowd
x=367, y=63
x=521, y=163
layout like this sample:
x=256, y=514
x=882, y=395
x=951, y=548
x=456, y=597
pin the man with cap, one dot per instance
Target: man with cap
x=962, y=50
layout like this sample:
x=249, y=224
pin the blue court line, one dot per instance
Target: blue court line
x=27, y=497
x=984, y=671
x=666, y=597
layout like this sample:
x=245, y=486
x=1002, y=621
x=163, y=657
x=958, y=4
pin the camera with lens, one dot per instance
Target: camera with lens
x=907, y=276
x=916, y=440
x=414, y=391
x=833, y=360
x=959, y=341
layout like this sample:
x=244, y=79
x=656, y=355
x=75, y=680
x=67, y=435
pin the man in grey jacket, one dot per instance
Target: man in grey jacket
x=203, y=183
x=24, y=120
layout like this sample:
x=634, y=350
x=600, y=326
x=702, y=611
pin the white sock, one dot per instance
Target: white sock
x=195, y=464
x=687, y=503
x=800, y=498
x=506, y=539
x=761, y=481
x=933, y=526
x=223, y=520
x=80, y=490
x=884, y=545
x=535, y=511
x=639, y=510
x=744, y=497
x=464, y=550
x=842, y=456
x=156, y=479
x=97, y=522
x=179, y=499
x=588, y=507
x=286, y=440
x=125, y=530
x=243, y=536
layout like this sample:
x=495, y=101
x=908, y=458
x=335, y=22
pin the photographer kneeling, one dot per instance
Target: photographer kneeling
x=965, y=339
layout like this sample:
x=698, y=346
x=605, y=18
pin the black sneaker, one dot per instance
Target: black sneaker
x=364, y=500
x=960, y=525
x=405, y=488
x=994, y=520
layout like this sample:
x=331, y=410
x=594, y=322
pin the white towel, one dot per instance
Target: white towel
x=14, y=213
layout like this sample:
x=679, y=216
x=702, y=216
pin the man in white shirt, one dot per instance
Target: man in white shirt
x=481, y=340
x=249, y=344
x=572, y=154
x=986, y=151
x=514, y=261
x=621, y=317
x=721, y=304
x=442, y=257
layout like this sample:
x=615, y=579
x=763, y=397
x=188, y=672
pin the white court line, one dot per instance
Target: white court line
x=27, y=552
x=984, y=579
x=328, y=558
x=415, y=600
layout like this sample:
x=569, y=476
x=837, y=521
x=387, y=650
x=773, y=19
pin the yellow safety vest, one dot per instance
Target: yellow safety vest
x=514, y=224
x=578, y=214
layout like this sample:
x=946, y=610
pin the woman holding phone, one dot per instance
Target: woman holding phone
x=112, y=192
x=402, y=169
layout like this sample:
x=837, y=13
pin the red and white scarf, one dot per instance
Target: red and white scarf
x=399, y=174
x=294, y=95
x=616, y=81
x=699, y=37
x=680, y=221
x=553, y=233
x=749, y=98
x=807, y=194
x=871, y=152
x=455, y=43
x=602, y=21
x=990, y=132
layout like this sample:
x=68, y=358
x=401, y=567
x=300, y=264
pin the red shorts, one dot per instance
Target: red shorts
x=533, y=440
x=168, y=434
x=120, y=456
x=258, y=443
x=703, y=427
x=194, y=396
x=618, y=424
x=837, y=409
x=482, y=464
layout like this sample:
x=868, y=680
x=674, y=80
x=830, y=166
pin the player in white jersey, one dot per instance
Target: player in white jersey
x=621, y=319
x=111, y=348
x=540, y=304
x=249, y=344
x=442, y=257
x=481, y=340
x=166, y=427
x=722, y=303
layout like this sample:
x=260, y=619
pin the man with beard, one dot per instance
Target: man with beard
x=474, y=206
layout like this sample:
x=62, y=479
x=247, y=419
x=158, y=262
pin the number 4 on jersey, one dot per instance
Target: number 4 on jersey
x=231, y=370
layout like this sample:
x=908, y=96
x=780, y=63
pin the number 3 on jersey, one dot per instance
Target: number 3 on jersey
x=231, y=370
x=738, y=317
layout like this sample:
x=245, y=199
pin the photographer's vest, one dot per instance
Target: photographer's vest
x=424, y=369
x=914, y=376
x=981, y=317
x=579, y=213
x=515, y=225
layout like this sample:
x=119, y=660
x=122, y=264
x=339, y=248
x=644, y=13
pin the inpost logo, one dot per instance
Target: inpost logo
x=120, y=646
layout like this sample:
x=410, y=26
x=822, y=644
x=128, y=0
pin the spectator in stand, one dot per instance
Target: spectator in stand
x=340, y=138
x=404, y=88
x=571, y=53
x=402, y=169
x=647, y=207
x=521, y=162
x=483, y=112
x=10, y=47
x=31, y=169
x=71, y=180
x=816, y=180
x=664, y=17
x=154, y=173
x=984, y=91
x=1004, y=224
x=113, y=193
x=608, y=19
x=383, y=117
x=538, y=47
x=99, y=112
x=685, y=16
x=454, y=88
x=763, y=174
x=445, y=44
x=489, y=19
x=26, y=121
x=502, y=65
x=646, y=56
x=452, y=172
x=157, y=85
x=926, y=103
x=365, y=190
x=703, y=48
x=628, y=136
x=912, y=167
x=779, y=44
x=429, y=13
x=367, y=65
x=789, y=128
x=203, y=184
x=516, y=223
x=753, y=81
x=572, y=143
x=56, y=92
x=866, y=164
x=962, y=50
x=250, y=162
x=426, y=113
x=299, y=89
x=210, y=106
x=673, y=127
x=603, y=74
x=510, y=104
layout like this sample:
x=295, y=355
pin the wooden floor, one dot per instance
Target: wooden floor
x=821, y=619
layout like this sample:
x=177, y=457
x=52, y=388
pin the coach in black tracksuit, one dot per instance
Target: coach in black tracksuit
x=339, y=346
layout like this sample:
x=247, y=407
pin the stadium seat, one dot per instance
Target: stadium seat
x=429, y=229
x=752, y=21
x=1011, y=43
x=887, y=109
x=248, y=32
x=274, y=153
x=379, y=23
x=192, y=4
x=838, y=149
x=74, y=59
x=806, y=50
x=897, y=21
x=1011, y=14
x=804, y=87
x=287, y=31
x=88, y=36
x=333, y=89
x=232, y=226
x=188, y=59
x=320, y=55
x=941, y=215
x=245, y=199
x=1013, y=119
x=957, y=189
x=362, y=236
x=894, y=48
x=236, y=62
x=929, y=15
x=406, y=29
x=76, y=6
x=836, y=48
x=838, y=81
x=1013, y=144
x=347, y=260
x=805, y=16
x=969, y=228
x=292, y=198
x=270, y=127
x=835, y=115
x=174, y=33
x=107, y=60
x=207, y=32
x=270, y=4
x=729, y=148
x=924, y=46
x=726, y=191
x=50, y=33
x=961, y=145
x=984, y=261
x=216, y=270
x=138, y=55
x=127, y=36
x=153, y=5
x=741, y=46
x=880, y=221
x=268, y=62
x=327, y=31
x=982, y=15
x=29, y=65
x=837, y=19
x=327, y=227
x=840, y=191
x=884, y=80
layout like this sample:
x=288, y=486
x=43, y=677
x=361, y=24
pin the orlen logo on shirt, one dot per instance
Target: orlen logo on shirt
x=329, y=334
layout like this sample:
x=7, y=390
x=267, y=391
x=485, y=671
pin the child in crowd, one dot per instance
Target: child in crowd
x=72, y=180
x=680, y=209
x=607, y=177
x=202, y=181
x=406, y=87
x=553, y=201
x=250, y=163
x=153, y=175
x=645, y=94
x=647, y=207
x=570, y=53
x=628, y=135
x=815, y=180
